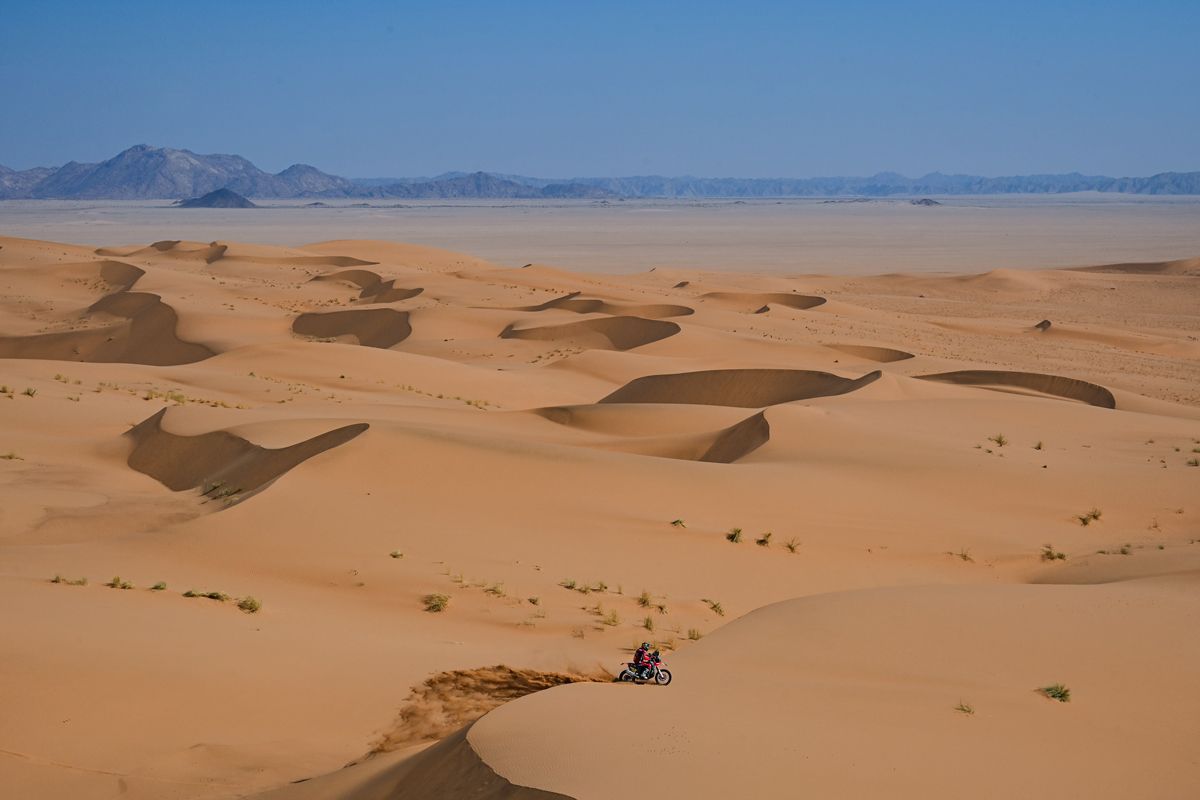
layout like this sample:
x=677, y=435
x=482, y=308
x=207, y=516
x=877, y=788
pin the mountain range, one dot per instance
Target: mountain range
x=144, y=172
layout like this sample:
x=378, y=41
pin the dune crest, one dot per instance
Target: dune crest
x=224, y=464
x=147, y=337
x=883, y=355
x=1054, y=385
x=615, y=333
x=373, y=288
x=581, y=305
x=745, y=388
x=372, y=327
x=760, y=302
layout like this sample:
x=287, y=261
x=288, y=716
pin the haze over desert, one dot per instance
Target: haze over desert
x=571, y=401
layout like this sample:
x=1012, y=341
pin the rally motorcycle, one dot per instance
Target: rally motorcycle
x=655, y=671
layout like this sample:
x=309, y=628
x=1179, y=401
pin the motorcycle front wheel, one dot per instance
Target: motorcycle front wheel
x=663, y=677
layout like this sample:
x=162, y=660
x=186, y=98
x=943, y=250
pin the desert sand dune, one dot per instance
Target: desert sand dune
x=375, y=327
x=632, y=430
x=581, y=305
x=223, y=464
x=1055, y=385
x=148, y=337
x=745, y=388
x=172, y=249
x=914, y=656
x=760, y=302
x=858, y=556
x=374, y=289
x=617, y=333
x=883, y=355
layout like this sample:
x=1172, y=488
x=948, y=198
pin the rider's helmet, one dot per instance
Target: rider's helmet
x=645, y=645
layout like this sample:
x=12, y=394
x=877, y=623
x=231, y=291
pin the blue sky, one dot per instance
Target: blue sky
x=614, y=88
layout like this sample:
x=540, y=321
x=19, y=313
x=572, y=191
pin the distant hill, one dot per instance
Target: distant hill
x=143, y=172
x=219, y=198
x=483, y=184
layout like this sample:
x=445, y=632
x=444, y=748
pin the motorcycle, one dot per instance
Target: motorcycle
x=657, y=672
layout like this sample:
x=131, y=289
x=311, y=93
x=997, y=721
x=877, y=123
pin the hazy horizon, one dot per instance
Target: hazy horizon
x=782, y=90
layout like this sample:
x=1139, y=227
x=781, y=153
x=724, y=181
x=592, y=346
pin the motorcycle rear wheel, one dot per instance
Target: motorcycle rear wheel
x=626, y=676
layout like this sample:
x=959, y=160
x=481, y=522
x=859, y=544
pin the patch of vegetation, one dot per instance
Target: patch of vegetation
x=694, y=634
x=396, y=554
x=644, y=599
x=1089, y=517
x=1050, y=554
x=568, y=584
x=158, y=587
x=68, y=581
x=999, y=439
x=1193, y=462
x=611, y=619
x=117, y=583
x=534, y=601
x=29, y=391
x=436, y=603
x=496, y=589
x=962, y=555
x=249, y=604
x=764, y=540
x=648, y=623
x=714, y=606
x=1057, y=692
x=965, y=708
x=11, y=456
x=678, y=523
x=1038, y=446
x=734, y=535
x=792, y=545
x=220, y=597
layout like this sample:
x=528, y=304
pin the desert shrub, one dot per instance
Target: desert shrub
x=734, y=535
x=678, y=523
x=220, y=597
x=694, y=634
x=1050, y=554
x=1057, y=692
x=436, y=603
x=396, y=554
x=764, y=540
x=158, y=587
x=965, y=708
x=999, y=439
x=249, y=604
x=714, y=606
x=117, y=583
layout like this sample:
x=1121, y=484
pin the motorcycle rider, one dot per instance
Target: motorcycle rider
x=643, y=661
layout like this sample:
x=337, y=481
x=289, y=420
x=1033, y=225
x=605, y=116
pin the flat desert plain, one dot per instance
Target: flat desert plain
x=300, y=522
